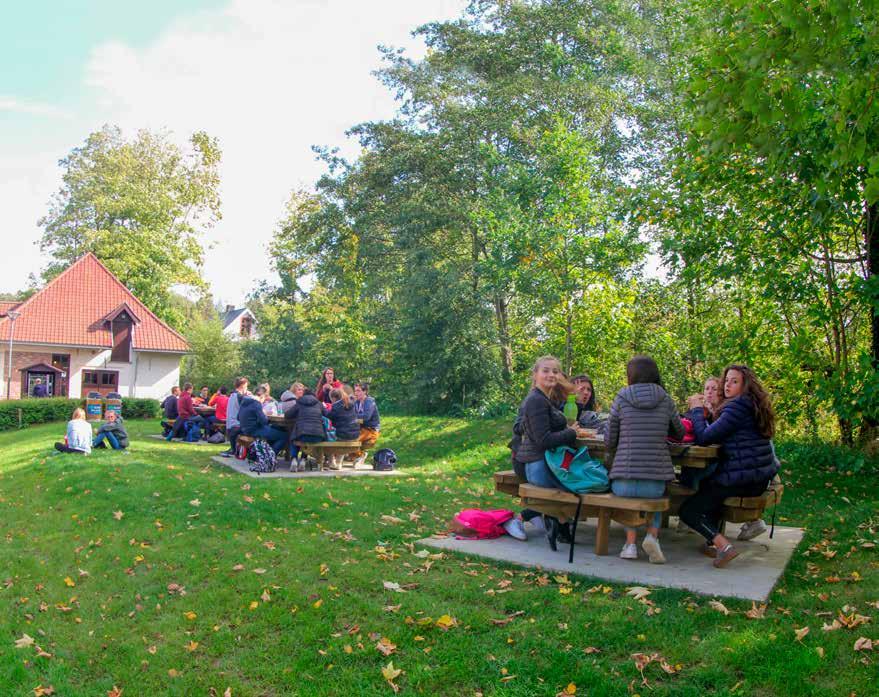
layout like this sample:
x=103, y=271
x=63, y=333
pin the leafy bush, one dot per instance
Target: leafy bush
x=827, y=457
x=36, y=411
x=40, y=411
x=136, y=408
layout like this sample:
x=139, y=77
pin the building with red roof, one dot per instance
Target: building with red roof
x=86, y=332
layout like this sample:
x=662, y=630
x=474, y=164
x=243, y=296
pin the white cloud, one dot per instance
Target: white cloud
x=269, y=79
x=15, y=105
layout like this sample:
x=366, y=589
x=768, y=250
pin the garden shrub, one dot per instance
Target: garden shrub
x=40, y=411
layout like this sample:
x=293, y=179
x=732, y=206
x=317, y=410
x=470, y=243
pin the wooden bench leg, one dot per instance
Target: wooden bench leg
x=665, y=517
x=602, y=533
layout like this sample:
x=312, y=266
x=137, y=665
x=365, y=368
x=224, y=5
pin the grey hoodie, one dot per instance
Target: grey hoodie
x=641, y=417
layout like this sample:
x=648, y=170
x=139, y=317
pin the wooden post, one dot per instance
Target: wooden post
x=602, y=533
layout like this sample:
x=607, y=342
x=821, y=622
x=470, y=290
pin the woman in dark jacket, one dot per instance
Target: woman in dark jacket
x=747, y=464
x=343, y=415
x=308, y=413
x=641, y=417
x=543, y=427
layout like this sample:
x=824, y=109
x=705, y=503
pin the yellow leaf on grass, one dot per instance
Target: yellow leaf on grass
x=570, y=689
x=173, y=672
x=800, y=633
x=756, y=613
x=317, y=603
x=324, y=569
x=190, y=615
x=118, y=515
x=390, y=674
x=446, y=622
x=253, y=605
x=385, y=646
x=719, y=606
x=191, y=646
x=69, y=582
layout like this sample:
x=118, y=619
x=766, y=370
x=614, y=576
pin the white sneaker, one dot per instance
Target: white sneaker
x=654, y=552
x=537, y=523
x=629, y=552
x=515, y=529
x=751, y=530
x=682, y=527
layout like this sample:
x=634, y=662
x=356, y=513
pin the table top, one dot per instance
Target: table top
x=682, y=454
x=280, y=420
x=204, y=408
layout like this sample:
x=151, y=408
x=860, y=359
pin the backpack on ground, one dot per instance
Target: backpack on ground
x=216, y=437
x=262, y=456
x=384, y=460
x=193, y=432
x=476, y=524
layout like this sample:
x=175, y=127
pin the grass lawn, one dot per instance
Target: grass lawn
x=161, y=572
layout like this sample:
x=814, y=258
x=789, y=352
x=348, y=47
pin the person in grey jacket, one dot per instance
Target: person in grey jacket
x=642, y=416
x=113, y=430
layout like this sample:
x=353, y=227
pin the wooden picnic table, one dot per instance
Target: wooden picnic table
x=682, y=454
x=205, y=410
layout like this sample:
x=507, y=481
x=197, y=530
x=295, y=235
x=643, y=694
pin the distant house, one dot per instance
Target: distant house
x=238, y=323
x=85, y=332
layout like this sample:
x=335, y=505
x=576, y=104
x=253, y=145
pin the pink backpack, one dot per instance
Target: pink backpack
x=476, y=524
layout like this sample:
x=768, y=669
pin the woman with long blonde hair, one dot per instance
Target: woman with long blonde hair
x=79, y=435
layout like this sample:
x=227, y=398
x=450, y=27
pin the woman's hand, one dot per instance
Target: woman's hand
x=695, y=401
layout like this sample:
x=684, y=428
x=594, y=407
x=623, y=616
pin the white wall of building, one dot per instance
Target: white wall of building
x=150, y=374
x=233, y=331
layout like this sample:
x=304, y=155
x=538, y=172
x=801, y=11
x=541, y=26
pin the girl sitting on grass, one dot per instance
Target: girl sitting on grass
x=641, y=417
x=747, y=464
x=79, y=435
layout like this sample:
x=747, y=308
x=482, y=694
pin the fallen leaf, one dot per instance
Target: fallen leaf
x=392, y=586
x=863, y=644
x=391, y=519
x=390, y=674
x=638, y=592
x=756, y=613
x=195, y=502
x=173, y=672
x=69, y=582
x=259, y=571
x=800, y=633
x=832, y=627
x=118, y=515
x=265, y=597
x=719, y=606
x=253, y=605
x=191, y=646
x=39, y=690
x=190, y=615
x=446, y=622
x=386, y=646
x=238, y=567
x=570, y=689
x=820, y=651
x=24, y=642
x=591, y=649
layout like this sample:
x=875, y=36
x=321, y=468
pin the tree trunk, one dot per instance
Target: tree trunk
x=501, y=313
x=569, y=337
x=871, y=237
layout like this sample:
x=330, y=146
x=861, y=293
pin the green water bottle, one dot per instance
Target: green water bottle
x=570, y=410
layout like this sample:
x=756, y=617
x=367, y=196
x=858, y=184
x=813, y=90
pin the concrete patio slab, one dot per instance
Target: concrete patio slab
x=751, y=576
x=283, y=470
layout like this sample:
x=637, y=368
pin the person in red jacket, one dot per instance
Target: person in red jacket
x=219, y=400
x=185, y=411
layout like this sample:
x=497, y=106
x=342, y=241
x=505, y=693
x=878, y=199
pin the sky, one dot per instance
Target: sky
x=268, y=78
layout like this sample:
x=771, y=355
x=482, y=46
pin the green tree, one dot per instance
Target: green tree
x=215, y=359
x=141, y=206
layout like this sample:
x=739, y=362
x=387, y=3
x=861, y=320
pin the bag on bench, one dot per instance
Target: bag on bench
x=262, y=456
x=576, y=471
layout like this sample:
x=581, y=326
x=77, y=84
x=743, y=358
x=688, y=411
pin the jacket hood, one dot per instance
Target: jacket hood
x=644, y=395
x=308, y=400
x=249, y=400
x=287, y=396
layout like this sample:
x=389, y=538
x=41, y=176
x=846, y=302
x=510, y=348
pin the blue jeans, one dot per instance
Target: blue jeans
x=111, y=439
x=276, y=437
x=539, y=474
x=640, y=489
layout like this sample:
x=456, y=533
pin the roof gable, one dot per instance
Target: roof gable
x=73, y=309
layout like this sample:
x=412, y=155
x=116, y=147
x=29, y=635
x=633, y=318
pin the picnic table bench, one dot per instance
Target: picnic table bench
x=630, y=512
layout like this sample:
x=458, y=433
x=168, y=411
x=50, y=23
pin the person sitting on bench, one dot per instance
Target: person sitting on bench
x=255, y=423
x=185, y=411
x=747, y=463
x=113, y=431
x=641, y=417
x=308, y=413
x=169, y=410
x=79, y=435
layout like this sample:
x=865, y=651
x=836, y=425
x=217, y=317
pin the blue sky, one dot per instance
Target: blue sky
x=269, y=78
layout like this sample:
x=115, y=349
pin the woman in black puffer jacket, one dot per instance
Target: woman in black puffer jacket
x=747, y=464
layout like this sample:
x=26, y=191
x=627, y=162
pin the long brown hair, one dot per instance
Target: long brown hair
x=338, y=393
x=323, y=380
x=764, y=415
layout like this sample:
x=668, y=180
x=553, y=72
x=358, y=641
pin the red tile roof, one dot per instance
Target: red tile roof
x=70, y=309
x=6, y=305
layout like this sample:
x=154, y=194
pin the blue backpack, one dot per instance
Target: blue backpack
x=576, y=471
x=193, y=432
x=384, y=460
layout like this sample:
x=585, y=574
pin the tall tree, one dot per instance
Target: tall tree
x=141, y=206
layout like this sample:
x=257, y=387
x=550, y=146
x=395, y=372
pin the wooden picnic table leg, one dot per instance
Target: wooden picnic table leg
x=602, y=532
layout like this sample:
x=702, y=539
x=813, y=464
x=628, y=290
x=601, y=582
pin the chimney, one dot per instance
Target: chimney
x=229, y=308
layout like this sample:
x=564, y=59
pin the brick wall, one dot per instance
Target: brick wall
x=20, y=360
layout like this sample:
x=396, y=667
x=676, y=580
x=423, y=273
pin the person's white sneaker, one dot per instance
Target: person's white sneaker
x=751, y=530
x=629, y=552
x=654, y=552
x=683, y=527
x=515, y=529
x=537, y=523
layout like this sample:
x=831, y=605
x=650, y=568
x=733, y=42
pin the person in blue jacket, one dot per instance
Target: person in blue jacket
x=744, y=429
x=255, y=423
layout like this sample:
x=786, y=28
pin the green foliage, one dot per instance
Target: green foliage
x=36, y=411
x=214, y=360
x=141, y=206
x=140, y=408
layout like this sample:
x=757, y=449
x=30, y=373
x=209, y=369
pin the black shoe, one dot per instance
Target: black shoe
x=552, y=531
x=565, y=533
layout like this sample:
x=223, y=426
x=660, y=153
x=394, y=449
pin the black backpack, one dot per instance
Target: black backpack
x=262, y=456
x=384, y=460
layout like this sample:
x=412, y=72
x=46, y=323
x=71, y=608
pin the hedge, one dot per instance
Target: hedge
x=40, y=411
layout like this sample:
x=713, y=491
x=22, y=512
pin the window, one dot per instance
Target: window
x=246, y=326
x=108, y=379
x=89, y=378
